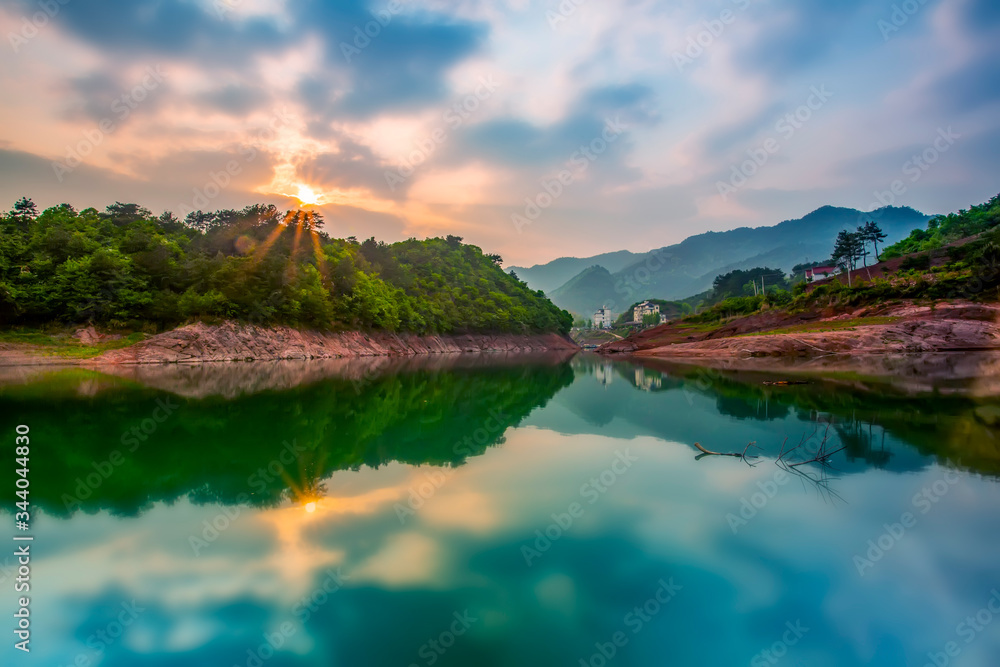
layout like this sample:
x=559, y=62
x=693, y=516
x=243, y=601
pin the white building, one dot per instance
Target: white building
x=603, y=318
x=604, y=373
x=821, y=272
x=647, y=382
x=643, y=309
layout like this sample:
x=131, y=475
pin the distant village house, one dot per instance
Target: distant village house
x=821, y=272
x=643, y=309
x=603, y=318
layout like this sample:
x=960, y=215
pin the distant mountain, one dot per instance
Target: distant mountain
x=687, y=268
x=592, y=285
x=548, y=277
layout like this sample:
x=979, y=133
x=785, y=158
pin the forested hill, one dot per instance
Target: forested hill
x=689, y=267
x=125, y=267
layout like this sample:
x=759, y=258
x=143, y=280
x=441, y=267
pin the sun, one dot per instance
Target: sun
x=307, y=196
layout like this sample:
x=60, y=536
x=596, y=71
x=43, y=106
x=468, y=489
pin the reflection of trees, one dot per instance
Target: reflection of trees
x=864, y=440
x=759, y=408
x=957, y=430
x=218, y=450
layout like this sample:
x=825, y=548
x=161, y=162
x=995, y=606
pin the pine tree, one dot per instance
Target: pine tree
x=25, y=209
x=872, y=232
x=846, y=250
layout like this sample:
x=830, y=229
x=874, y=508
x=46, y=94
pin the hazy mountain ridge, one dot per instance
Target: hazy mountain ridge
x=558, y=272
x=686, y=268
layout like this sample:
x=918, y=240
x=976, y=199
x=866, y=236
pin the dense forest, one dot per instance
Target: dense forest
x=957, y=256
x=126, y=268
x=944, y=229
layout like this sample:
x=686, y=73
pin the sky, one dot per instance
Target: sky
x=535, y=129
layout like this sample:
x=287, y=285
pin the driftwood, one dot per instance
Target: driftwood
x=822, y=457
x=742, y=455
x=822, y=454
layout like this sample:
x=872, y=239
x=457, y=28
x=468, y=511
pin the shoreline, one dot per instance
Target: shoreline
x=871, y=331
x=231, y=342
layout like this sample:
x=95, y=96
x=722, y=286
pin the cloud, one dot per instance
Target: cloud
x=172, y=29
x=740, y=134
x=362, y=102
x=795, y=34
x=170, y=184
x=233, y=99
x=980, y=16
x=514, y=142
x=351, y=165
x=383, y=61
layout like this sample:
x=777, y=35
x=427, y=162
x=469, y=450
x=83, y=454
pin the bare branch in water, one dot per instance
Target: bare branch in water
x=742, y=456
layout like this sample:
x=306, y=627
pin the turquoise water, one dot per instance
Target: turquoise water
x=502, y=511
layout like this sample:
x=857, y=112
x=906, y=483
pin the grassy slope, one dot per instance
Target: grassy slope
x=62, y=343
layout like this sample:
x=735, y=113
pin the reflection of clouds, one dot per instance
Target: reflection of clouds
x=408, y=559
x=558, y=593
x=462, y=509
x=664, y=517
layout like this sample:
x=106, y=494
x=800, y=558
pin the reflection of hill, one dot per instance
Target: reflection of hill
x=233, y=379
x=213, y=447
x=951, y=427
x=877, y=425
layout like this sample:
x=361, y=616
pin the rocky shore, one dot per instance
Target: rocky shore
x=233, y=341
x=960, y=327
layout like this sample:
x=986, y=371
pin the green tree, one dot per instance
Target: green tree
x=872, y=233
x=125, y=266
x=847, y=249
x=25, y=209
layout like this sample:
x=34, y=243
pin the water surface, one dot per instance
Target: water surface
x=504, y=511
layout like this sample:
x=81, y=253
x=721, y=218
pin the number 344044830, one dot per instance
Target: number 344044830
x=22, y=442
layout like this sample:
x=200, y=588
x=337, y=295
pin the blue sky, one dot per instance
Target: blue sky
x=533, y=129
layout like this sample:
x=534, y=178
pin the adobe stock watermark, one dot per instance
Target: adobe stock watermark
x=577, y=165
x=562, y=12
x=363, y=35
x=121, y=108
x=454, y=117
x=635, y=621
x=899, y=16
x=217, y=181
x=419, y=493
x=213, y=527
x=916, y=167
x=131, y=439
x=968, y=629
x=303, y=610
x=33, y=24
x=924, y=500
x=786, y=127
x=779, y=649
x=592, y=490
x=432, y=650
x=708, y=31
x=224, y=7
x=758, y=500
x=98, y=642
x=310, y=603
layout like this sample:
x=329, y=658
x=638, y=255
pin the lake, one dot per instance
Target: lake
x=502, y=511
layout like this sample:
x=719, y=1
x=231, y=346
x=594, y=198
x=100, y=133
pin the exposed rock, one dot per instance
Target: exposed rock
x=912, y=329
x=232, y=341
x=907, y=336
x=90, y=336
